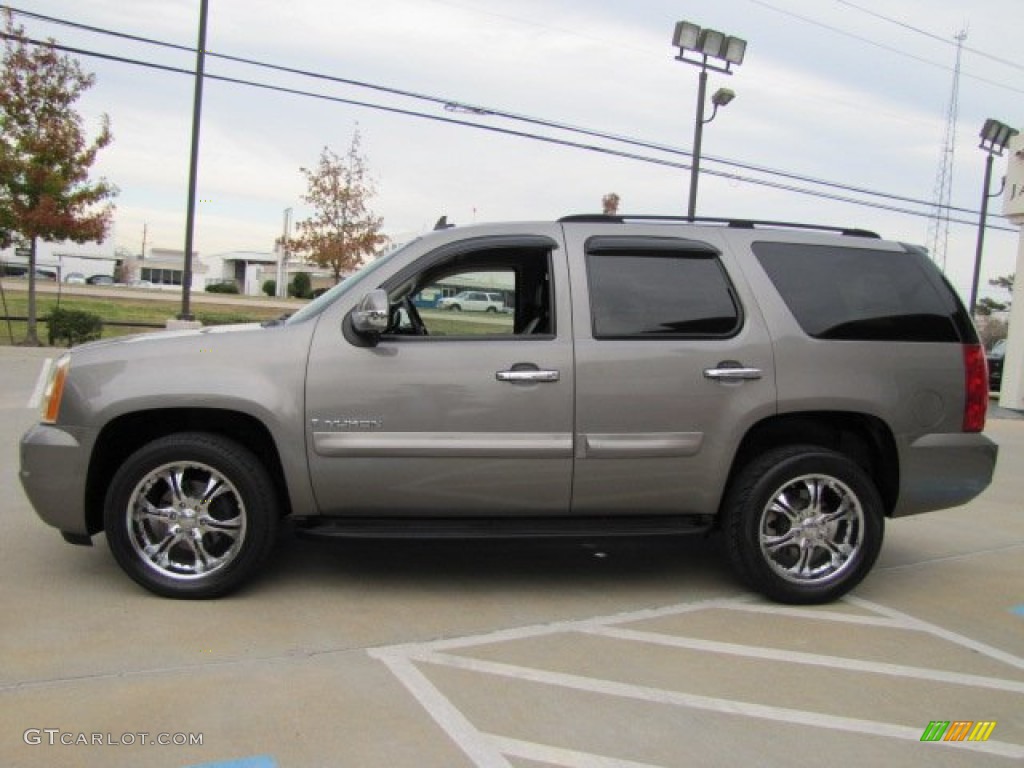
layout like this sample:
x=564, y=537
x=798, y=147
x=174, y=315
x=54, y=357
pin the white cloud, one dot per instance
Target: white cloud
x=809, y=100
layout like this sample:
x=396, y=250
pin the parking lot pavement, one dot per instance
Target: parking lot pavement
x=512, y=654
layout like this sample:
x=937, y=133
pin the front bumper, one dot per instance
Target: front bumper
x=53, y=472
x=939, y=471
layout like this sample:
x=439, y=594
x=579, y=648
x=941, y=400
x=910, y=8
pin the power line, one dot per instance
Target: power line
x=932, y=35
x=521, y=134
x=477, y=110
x=876, y=44
x=457, y=106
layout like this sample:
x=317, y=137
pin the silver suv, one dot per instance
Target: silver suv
x=787, y=386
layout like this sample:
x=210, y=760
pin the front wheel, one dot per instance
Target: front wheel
x=803, y=524
x=191, y=515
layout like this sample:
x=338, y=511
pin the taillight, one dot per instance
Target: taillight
x=975, y=388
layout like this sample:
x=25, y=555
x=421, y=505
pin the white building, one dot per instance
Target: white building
x=246, y=269
x=165, y=268
x=58, y=260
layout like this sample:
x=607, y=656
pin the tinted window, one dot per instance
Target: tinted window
x=860, y=294
x=660, y=293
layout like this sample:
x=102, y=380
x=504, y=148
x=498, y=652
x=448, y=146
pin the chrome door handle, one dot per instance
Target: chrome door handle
x=732, y=374
x=526, y=375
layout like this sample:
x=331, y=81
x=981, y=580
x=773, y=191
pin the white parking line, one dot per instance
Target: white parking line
x=910, y=622
x=37, y=393
x=806, y=613
x=569, y=758
x=706, y=703
x=811, y=659
x=445, y=714
x=488, y=749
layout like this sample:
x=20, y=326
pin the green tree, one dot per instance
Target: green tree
x=45, y=156
x=986, y=305
x=342, y=230
x=1005, y=282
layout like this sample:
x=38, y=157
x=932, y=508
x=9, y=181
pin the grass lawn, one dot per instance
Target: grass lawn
x=130, y=309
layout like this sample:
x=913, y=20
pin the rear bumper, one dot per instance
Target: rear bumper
x=53, y=472
x=944, y=470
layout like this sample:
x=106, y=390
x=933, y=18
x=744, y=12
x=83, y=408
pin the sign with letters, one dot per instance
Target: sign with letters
x=1013, y=197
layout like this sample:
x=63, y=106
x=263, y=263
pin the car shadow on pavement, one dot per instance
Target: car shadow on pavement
x=497, y=563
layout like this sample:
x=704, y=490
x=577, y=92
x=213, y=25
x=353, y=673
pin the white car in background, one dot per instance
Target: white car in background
x=473, y=301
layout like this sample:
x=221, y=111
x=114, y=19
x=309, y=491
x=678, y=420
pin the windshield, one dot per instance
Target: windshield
x=318, y=305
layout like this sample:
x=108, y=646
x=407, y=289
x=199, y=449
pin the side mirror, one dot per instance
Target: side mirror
x=373, y=313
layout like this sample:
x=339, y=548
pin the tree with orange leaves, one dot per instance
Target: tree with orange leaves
x=342, y=230
x=45, y=157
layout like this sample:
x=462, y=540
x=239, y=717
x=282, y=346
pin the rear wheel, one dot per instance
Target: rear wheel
x=803, y=524
x=191, y=515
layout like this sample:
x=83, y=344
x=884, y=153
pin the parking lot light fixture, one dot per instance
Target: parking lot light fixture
x=685, y=36
x=707, y=49
x=994, y=138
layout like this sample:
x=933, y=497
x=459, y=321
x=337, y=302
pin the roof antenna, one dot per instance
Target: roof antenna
x=442, y=223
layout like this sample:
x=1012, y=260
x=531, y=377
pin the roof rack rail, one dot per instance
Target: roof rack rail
x=597, y=218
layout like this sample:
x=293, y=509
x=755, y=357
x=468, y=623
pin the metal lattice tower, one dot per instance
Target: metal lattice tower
x=938, y=225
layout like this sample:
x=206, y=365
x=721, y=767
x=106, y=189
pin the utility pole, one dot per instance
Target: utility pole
x=282, y=261
x=190, y=217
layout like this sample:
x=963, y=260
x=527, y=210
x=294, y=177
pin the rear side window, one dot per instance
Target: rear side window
x=860, y=294
x=660, y=293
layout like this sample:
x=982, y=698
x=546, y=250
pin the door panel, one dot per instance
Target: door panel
x=656, y=434
x=425, y=425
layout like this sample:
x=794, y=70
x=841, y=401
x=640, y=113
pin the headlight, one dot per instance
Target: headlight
x=54, y=389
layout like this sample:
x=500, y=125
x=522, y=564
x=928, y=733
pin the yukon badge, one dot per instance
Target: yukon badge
x=346, y=425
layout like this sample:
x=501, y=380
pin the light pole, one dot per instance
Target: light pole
x=707, y=49
x=994, y=138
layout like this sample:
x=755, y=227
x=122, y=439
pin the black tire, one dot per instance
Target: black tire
x=211, y=520
x=787, y=546
x=454, y=308
x=492, y=310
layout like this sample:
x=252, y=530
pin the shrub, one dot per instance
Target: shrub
x=226, y=287
x=301, y=286
x=74, y=325
x=270, y=288
x=222, y=318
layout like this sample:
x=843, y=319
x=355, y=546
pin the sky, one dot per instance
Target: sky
x=851, y=92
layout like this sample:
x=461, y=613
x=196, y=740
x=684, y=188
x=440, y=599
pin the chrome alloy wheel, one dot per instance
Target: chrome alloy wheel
x=186, y=520
x=812, y=529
